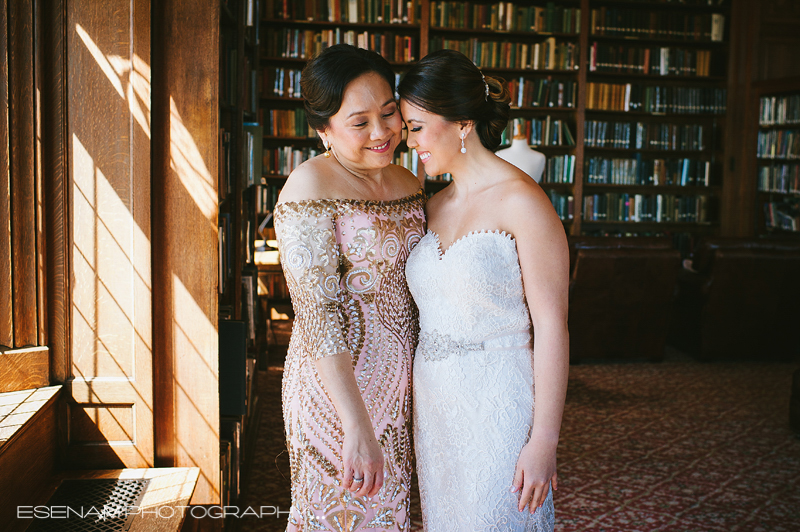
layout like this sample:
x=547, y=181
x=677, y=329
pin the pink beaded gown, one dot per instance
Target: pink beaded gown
x=344, y=263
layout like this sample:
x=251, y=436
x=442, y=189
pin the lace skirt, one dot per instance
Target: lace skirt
x=473, y=412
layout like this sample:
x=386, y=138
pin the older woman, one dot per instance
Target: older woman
x=346, y=221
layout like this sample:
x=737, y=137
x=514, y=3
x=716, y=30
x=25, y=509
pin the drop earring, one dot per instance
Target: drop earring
x=463, y=148
x=327, y=148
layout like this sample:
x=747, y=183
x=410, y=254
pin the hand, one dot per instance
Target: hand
x=363, y=459
x=535, y=471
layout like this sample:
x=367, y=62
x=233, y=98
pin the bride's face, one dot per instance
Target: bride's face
x=437, y=141
x=366, y=129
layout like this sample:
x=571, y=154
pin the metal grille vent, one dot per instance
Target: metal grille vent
x=91, y=505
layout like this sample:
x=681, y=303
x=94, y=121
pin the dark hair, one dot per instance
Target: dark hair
x=325, y=77
x=448, y=84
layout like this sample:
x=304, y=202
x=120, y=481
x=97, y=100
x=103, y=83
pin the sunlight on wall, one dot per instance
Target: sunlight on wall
x=187, y=162
x=101, y=59
x=103, y=274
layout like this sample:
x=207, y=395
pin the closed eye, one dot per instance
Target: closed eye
x=415, y=129
x=387, y=115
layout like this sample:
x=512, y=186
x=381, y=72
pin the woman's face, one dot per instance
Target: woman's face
x=437, y=141
x=367, y=128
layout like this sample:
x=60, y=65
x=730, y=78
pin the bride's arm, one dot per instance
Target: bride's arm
x=544, y=260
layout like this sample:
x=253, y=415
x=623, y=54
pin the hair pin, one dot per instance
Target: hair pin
x=486, y=85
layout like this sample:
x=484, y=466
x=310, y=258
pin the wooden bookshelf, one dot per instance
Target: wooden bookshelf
x=655, y=84
x=777, y=158
x=656, y=65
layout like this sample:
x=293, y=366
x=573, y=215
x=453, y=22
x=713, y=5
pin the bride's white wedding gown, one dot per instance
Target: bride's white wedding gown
x=472, y=384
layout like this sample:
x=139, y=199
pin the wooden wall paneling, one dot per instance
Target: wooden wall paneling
x=737, y=198
x=41, y=221
x=56, y=191
x=779, y=44
x=22, y=168
x=27, y=460
x=6, y=301
x=24, y=369
x=185, y=211
x=110, y=393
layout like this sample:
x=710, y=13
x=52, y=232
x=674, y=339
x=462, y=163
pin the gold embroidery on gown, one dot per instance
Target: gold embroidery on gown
x=344, y=262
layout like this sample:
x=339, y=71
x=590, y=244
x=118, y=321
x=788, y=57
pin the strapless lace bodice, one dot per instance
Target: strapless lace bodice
x=472, y=291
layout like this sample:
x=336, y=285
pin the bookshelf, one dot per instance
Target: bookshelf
x=625, y=98
x=241, y=327
x=655, y=110
x=777, y=155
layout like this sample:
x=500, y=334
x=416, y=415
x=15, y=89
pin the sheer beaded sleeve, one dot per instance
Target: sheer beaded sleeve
x=310, y=259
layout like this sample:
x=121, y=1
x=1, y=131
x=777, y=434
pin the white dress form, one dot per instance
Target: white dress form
x=521, y=155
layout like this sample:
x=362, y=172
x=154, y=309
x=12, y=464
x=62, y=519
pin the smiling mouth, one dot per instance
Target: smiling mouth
x=381, y=148
x=424, y=156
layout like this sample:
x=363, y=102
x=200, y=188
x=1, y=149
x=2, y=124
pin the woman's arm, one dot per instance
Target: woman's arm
x=544, y=260
x=310, y=261
x=361, y=454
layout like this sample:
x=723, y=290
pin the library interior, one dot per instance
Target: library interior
x=144, y=312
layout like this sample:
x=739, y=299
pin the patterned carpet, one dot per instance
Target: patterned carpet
x=677, y=446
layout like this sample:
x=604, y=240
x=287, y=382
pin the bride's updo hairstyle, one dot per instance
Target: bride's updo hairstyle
x=448, y=84
x=325, y=77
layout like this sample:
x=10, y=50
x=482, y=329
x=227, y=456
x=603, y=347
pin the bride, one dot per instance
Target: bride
x=492, y=269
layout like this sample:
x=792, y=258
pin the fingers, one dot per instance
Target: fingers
x=366, y=486
x=378, y=483
x=525, y=496
x=539, y=495
x=554, y=481
x=347, y=477
x=517, y=484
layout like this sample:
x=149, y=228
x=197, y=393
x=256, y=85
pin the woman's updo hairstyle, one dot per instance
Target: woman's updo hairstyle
x=325, y=77
x=448, y=84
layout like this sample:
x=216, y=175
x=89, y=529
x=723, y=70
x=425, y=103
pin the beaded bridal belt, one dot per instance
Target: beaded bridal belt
x=434, y=345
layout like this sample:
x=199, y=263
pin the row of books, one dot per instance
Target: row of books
x=547, y=55
x=783, y=215
x=559, y=169
x=659, y=61
x=266, y=196
x=253, y=141
x=288, y=123
x=779, y=110
x=305, y=44
x=639, y=171
x=282, y=82
x=779, y=144
x=225, y=181
x=652, y=99
x=505, y=16
x=781, y=178
x=643, y=136
x=547, y=131
x=352, y=11
x=228, y=68
x=408, y=159
x=564, y=204
x=224, y=250
x=652, y=208
x=543, y=92
x=646, y=24
x=699, y=3
x=281, y=161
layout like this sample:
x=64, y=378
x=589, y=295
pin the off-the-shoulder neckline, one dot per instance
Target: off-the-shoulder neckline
x=410, y=197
